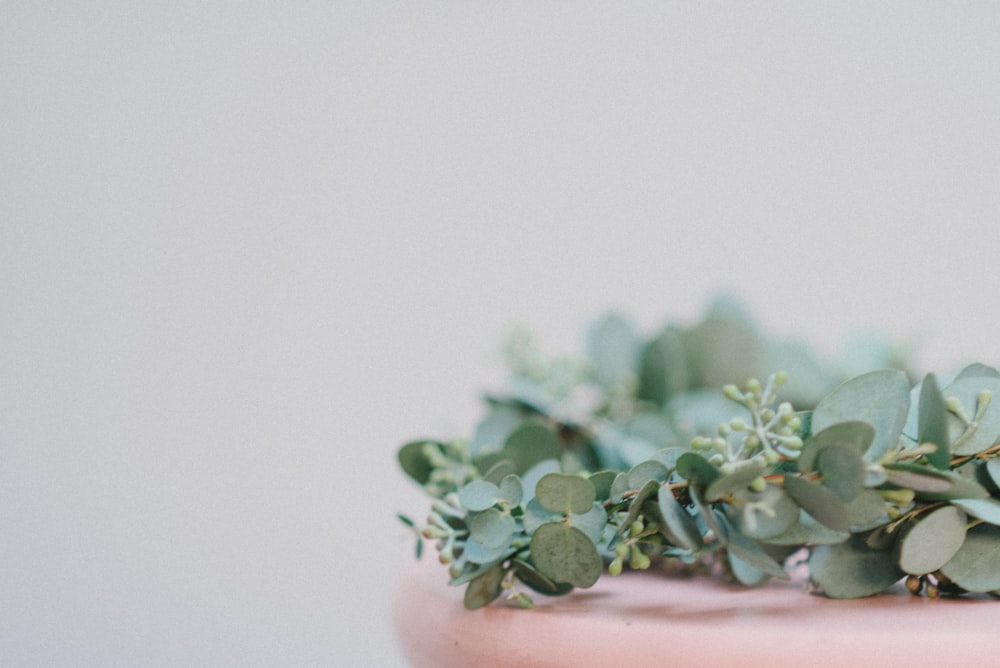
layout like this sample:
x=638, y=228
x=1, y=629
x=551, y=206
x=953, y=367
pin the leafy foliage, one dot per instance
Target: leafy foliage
x=632, y=456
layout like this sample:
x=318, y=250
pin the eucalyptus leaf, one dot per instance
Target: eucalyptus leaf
x=535, y=516
x=561, y=492
x=853, y=434
x=807, y=531
x=819, y=502
x=978, y=370
x=602, y=481
x=880, y=398
x=866, y=511
x=753, y=554
x=498, y=471
x=530, y=576
x=722, y=350
x=740, y=479
x=492, y=528
x=479, y=495
x=492, y=432
x=565, y=554
x=986, y=432
x=988, y=510
x=744, y=572
x=843, y=470
x=635, y=505
x=414, y=461
x=764, y=515
x=484, y=589
x=993, y=469
x=530, y=478
x=663, y=370
x=613, y=347
x=511, y=490
x=619, y=487
x=478, y=553
x=645, y=471
x=591, y=522
x=677, y=524
x=976, y=565
x=852, y=570
x=693, y=467
x=932, y=484
x=530, y=444
x=932, y=423
x=930, y=541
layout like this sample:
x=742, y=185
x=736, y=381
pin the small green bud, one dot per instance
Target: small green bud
x=771, y=457
x=636, y=528
x=767, y=415
x=737, y=424
x=732, y=392
x=724, y=430
x=717, y=459
x=727, y=468
x=720, y=445
x=615, y=567
x=621, y=549
x=638, y=559
x=524, y=601
x=701, y=443
x=779, y=379
x=795, y=423
x=752, y=441
x=758, y=484
x=753, y=385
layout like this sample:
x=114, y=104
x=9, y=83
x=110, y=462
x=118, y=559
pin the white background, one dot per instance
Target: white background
x=247, y=249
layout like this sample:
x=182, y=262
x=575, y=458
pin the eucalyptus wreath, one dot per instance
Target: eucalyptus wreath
x=642, y=451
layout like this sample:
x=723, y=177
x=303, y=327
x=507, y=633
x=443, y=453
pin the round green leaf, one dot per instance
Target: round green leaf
x=484, y=589
x=414, y=461
x=591, y=522
x=880, y=398
x=561, y=492
x=695, y=468
x=766, y=514
x=479, y=495
x=602, y=482
x=613, y=347
x=678, y=525
x=843, y=470
x=976, y=565
x=478, y=553
x=645, y=471
x=853, y=434
x=511, y=491
x=929, y=542
x=529, y=444
x=492, y=528
x=866, y=511
x=807, y=531
x=819, y=502
x=564, y=554
x=988, y=510
x=852, y=569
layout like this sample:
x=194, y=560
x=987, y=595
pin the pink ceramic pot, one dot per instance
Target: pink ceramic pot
x=648, y=619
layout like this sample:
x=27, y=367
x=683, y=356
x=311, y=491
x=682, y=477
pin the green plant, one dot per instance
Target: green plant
x=631, y=457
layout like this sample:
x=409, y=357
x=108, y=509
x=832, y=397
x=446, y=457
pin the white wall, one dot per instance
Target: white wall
x=246, y=250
